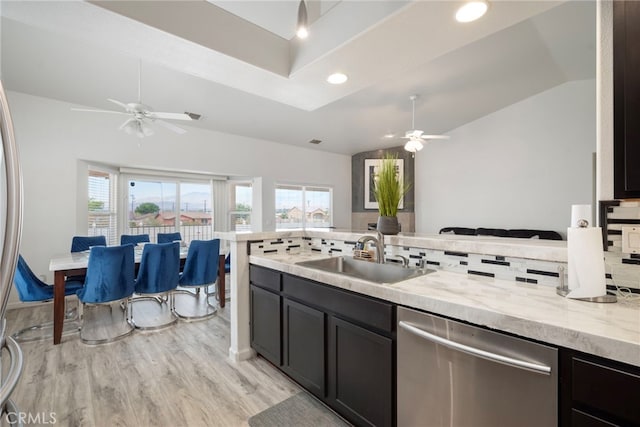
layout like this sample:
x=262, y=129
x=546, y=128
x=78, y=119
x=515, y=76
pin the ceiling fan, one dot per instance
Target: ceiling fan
x=141, y=116
x=416, y=137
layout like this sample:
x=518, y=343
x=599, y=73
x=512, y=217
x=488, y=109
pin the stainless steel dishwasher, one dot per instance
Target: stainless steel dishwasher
x=458, y=375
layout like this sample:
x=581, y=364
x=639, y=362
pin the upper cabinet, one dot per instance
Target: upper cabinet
x=626, y=109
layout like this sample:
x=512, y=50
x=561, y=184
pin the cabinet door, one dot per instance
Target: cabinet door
x=626, y=108
x=304, y=345
x=265, y=324
x=361, y=382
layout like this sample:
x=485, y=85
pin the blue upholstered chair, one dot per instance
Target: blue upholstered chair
x=200, y=272
x=109, y=283
x=81, y=244
x=32, y=289
x=84, y=243
x=227, y=263
x=134, y=239
x=158, y=275
x=168, y=237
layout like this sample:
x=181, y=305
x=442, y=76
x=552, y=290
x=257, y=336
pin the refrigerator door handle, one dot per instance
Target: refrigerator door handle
x=487, y=355
x=13, y=227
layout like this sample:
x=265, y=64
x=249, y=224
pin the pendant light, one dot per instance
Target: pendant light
x=302, y=29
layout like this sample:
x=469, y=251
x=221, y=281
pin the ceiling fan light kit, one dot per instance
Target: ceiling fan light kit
x=416, y=137
x=413, y=145
x=142, y=115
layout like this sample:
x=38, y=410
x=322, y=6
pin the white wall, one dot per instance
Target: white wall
x=520, y=167
x=52, y=139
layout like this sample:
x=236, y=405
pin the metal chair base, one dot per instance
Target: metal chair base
x=153, y=311
x=71, y=326
x=105, y=322
x=190, y=305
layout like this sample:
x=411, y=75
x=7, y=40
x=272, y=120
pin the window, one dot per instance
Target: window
x=240, y=212
x=165, y=205
x=102, y=209
x=303, y=207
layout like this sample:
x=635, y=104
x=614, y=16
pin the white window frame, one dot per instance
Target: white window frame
x=304, y=188
x=232, y=204
x=164, y=177
x=113, y=201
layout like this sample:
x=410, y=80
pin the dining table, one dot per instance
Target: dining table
x=75, y=264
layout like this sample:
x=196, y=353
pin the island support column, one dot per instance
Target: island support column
x=240, y=348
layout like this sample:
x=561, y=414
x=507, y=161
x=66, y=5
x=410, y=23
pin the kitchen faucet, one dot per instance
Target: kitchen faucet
x=379, y=242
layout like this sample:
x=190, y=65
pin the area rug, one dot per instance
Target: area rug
x=300, y=410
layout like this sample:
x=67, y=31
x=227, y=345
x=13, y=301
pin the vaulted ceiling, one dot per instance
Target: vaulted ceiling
x=237, y=64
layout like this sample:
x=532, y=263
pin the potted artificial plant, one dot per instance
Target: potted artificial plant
x=388, y=191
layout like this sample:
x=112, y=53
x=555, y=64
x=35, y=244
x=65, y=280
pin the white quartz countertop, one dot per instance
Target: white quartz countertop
x=533, y=311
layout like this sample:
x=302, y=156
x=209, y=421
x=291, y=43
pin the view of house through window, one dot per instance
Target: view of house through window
x=166, y=206
x=240, y=206
x=102, y=209
x=303, y=207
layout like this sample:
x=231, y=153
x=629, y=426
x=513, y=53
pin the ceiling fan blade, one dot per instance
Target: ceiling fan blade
x=121, y=104
x=435, y=137
x=171, y=116
x=90, y=110
x=170, y=126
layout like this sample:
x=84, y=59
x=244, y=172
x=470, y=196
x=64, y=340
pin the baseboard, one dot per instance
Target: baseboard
x=17, y=304
x=238, y=356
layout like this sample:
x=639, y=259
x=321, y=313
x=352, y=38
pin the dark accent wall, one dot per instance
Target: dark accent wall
x=357, y=177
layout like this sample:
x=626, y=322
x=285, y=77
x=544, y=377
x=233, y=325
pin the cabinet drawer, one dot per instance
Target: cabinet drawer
x=606, y=389
x=265, y=278
x=364, y=310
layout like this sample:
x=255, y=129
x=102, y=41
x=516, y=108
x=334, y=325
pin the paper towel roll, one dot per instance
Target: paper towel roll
x=579, y=212
x=585, y=259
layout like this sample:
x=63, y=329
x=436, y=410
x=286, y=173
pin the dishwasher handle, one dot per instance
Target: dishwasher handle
x=487, y=355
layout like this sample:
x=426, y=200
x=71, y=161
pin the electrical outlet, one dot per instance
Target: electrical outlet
x=43, y=277
x=631, y=240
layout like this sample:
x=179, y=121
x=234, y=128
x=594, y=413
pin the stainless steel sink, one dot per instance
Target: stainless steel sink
x=373, y=272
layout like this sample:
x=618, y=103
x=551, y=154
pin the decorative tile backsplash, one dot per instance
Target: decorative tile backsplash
x=622, y=269
x=518, y=270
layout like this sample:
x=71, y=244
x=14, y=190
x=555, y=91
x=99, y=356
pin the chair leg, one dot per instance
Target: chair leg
x=202, y=307
x=102, y=325
x=70, y=326
x=154, y=316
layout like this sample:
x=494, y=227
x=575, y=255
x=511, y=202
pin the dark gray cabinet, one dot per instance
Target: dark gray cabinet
x=266, y=335
x=626, y=99
x=337, y=344
x=598, y=392
x=360, y=373
x=304, y=346
x=265, y=316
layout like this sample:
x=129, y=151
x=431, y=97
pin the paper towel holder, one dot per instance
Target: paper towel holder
x=563, y=291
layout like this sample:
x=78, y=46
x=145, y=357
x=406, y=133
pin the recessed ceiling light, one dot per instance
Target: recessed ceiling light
x=337, y=78
x=471, y=11
x=389, y=135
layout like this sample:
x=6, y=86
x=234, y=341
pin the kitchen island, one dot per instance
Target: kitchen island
x=504, y=285
x=530, y=310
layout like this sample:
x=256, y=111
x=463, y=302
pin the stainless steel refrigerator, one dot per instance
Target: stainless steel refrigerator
x=10, y=231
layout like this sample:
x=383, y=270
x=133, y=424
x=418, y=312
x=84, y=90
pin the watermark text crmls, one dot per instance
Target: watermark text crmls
x=26, y=418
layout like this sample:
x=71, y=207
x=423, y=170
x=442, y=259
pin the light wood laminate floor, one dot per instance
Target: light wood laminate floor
x=178, y=376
